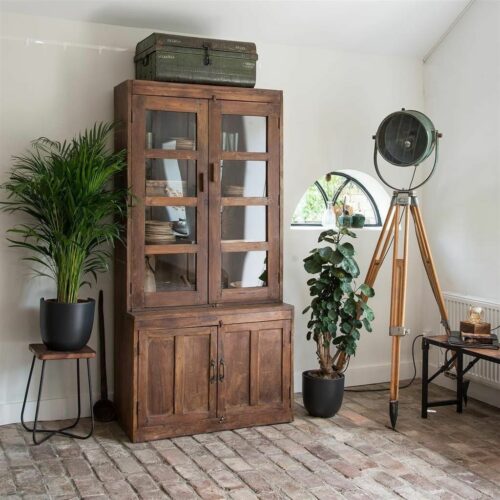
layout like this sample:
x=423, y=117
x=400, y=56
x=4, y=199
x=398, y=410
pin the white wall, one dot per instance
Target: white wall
x=462, y=201
x=333, y=104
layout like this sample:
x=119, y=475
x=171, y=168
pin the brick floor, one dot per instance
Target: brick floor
x=352, y=456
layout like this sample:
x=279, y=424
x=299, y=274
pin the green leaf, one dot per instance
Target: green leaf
x=367, y=311
x=306, y=309
x=336, y=257
x=346, y=327
x=339, y=273
x=350, y=307
x=346, y=231
x=367, y=290
x=337, y=294
x=323, y=235
x=308, y=336
x=367, y=325
x=332, y=314
x=346, y=249
x=326, y=253
x=311, y=266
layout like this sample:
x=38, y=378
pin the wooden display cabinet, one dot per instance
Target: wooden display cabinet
x=203, y=341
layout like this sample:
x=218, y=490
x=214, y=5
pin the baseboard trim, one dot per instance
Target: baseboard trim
x=50, y=409
x=367, y=374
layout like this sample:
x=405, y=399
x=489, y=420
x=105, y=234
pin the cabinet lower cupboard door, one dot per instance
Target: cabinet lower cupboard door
x=177, y=375
x=256, y=376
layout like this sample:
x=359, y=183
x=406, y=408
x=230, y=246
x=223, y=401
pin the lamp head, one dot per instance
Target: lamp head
x=405, y=138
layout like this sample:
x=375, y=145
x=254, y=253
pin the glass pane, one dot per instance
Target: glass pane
x=168, y=225
x=170, y=130
x=170, y=272
x=243, y=178
x=357, y=202
x=244, y=269
x=310, y=207
x=331, y=183
x=170, y=177
x=244, y=223
x=244, y=133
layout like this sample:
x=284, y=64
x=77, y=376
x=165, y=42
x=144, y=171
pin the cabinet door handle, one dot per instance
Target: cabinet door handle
x=201, y=186
x=212, y=172
x=222, y=370
x=212, y=371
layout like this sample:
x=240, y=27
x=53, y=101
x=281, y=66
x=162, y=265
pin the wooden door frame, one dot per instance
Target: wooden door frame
x=272, y=245
x=140, y=104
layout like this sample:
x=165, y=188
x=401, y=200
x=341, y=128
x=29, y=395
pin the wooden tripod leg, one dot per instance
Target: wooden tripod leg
x=425, y=252
x=381, y=248
x=398, y=308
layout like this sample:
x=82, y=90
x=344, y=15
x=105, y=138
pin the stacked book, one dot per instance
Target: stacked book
x=479, y=339
x=159, y=232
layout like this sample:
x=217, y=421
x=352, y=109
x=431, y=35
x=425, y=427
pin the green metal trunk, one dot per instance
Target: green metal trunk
x=175, y=58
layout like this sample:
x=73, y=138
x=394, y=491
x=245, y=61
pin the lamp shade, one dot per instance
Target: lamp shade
x=406, y=138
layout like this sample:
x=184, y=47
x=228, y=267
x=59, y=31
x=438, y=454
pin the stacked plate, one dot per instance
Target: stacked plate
x=159, y=232
x=184, y=143
x=165, y=188
x=234, y=190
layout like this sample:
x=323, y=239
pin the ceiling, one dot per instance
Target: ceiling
x=395, y=27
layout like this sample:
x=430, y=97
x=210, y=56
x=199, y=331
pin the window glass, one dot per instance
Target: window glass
x=338, y=188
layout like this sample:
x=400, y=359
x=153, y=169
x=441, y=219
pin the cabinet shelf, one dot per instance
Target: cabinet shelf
x=236, y=201
x=243, y=246
x=170, y=248
x=171, y=201
x=241, y=155
x=174, y=154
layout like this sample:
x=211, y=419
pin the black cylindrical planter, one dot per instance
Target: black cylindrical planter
x=66, y=327
x=322, y=396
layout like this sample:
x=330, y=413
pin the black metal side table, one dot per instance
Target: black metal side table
x=457, y=358
x=41, y=352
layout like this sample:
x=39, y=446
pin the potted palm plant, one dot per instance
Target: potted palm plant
x=338, y=312
x=71, y=218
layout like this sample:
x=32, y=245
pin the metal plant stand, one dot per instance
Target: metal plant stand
x=41, y=352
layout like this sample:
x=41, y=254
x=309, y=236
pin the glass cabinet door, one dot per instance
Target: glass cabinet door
x=244, y=201
x=170, y=198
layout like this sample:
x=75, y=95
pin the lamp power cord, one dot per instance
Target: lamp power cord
x=383, y=389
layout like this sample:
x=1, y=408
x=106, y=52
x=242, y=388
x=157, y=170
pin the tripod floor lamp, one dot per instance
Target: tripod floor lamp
x=404, y=139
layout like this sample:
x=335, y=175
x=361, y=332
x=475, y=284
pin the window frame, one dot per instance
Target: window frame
x=348, y=178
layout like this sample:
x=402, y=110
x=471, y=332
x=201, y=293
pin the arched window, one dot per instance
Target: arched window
x=339, y=188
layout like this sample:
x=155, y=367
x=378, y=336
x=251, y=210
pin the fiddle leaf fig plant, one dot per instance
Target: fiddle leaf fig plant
x=338, y=309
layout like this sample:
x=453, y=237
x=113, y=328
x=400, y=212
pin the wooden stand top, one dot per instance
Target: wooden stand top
x=483, y=353
x=43, y=353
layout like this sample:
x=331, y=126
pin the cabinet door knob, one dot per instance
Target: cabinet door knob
x=222, y=370
x=212, y=371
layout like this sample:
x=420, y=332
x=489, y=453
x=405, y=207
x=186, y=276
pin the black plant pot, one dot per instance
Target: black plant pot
x=322, y=397
x=66, y=327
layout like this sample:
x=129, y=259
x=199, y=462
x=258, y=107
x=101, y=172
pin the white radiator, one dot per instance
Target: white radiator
x=458, y=309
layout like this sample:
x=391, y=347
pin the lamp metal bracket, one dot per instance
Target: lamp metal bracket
x=404, y=198
x=398, y=331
